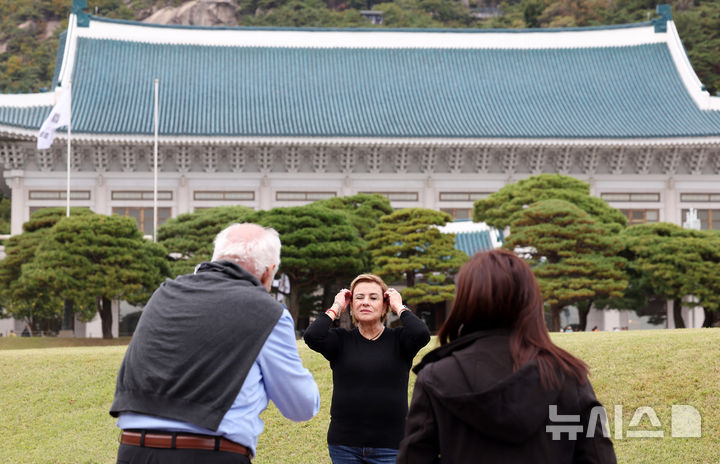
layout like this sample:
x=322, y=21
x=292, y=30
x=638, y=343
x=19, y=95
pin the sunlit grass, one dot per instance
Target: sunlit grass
x=54, y=401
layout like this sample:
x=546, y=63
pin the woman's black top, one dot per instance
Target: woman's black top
x=370, y=379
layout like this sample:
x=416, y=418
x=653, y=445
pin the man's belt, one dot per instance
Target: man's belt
x=179, y=440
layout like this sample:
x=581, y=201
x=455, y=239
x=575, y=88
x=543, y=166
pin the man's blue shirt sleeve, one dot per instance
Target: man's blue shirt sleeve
x=288, y=384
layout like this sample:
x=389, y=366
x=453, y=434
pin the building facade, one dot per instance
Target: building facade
x=266, y=117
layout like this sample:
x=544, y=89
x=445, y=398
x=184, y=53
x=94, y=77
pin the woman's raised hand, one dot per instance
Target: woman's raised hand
x=342, y=299
x=394, y=300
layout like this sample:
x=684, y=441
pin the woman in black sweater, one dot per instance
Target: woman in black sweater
x=370, y=365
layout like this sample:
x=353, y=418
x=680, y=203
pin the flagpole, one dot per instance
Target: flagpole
x=155, y=165
x=69, y=147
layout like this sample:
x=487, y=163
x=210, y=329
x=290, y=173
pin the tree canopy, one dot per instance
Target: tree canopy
x=38, y=304
x=572, y=257
x=321, y=241
x=677, y=263
x=407, y=245
x=363, y=211
x=93, y=259
x=499, y=209
x=189, y=237
x=317, y=244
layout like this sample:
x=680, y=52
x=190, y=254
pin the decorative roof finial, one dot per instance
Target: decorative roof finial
x=78, y=7
x=665, y=14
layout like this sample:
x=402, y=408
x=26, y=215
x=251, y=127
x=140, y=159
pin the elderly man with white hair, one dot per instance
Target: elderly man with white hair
x=210, y=350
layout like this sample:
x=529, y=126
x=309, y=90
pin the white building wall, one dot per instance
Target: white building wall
x=6, y=325
x=612, y=319
x=599, y=318
x=693, y=316
x=93, y=328
x=465, y=169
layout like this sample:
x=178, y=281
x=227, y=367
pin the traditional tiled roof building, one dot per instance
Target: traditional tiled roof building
x=432, y=118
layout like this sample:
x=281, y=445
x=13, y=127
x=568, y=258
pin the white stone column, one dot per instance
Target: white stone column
x=593, y=187
x=346, y=188
x=612, y=319
x=430, y=200
x=670, y=204
x=101, y=204
x=183, y=196
x=266, y=199
x=15, y=181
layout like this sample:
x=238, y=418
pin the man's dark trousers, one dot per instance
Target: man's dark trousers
x=130, y=454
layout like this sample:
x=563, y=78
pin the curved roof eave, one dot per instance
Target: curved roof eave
x=27, y=100
x=692, y=82
x=198, y=140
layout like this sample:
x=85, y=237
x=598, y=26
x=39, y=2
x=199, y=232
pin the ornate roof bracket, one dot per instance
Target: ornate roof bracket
x=462, y=159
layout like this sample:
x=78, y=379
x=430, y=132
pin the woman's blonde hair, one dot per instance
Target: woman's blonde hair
x=372, y=278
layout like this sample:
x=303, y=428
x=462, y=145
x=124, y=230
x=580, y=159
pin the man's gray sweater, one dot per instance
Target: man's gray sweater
x=194, y=345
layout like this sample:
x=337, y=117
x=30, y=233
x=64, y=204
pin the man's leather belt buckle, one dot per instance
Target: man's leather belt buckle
x=181, y=441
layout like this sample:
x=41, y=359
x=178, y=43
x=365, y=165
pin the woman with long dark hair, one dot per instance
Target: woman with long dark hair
x=498, y=389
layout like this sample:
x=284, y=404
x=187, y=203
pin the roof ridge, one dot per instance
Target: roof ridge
x=374, y=29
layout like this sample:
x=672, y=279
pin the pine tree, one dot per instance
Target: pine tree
x=36, y=303
x=498, y=209
x=676, y=263
x=408, y=245
x=573, y=257
x=363, y=211
x=317, y=244
x=94, y=259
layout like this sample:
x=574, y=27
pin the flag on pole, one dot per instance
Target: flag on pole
x=59, y=116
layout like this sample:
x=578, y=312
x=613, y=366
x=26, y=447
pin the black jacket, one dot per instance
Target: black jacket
x=470, y=407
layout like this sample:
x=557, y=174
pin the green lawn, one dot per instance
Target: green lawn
x=54, y=401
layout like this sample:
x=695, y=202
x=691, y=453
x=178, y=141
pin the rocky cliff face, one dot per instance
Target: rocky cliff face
x=197, y=13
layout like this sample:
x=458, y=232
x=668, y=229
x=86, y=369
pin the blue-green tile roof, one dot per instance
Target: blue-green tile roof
x=575, y=93
x=24, y=117
x=472, y=242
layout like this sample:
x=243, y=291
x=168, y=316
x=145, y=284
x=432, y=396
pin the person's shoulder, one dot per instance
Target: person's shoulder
x=440, y=377
x=582, y=390
x=438, y=369
x=255, y=293
x=284, y=325
x=484, y=353
x=396, y=333
x=285, y=316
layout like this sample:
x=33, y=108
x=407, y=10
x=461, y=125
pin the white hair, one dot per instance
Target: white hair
x=251, y=246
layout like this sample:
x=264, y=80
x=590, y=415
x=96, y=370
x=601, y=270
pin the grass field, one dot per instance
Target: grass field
x=54, y=400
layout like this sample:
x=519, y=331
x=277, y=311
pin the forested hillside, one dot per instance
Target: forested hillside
x=30, y=28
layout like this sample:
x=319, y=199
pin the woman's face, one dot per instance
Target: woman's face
x=368, y=304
